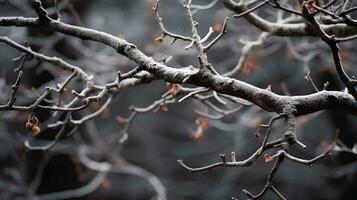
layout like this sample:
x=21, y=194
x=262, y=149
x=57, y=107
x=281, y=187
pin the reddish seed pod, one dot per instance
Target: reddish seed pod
x=175, y=89
x=257, y=133
x=268, y=158
x=217, y=28
x=164, y=108
x=203, y=122
x=29, y=125
x=36, y=130
x=159, y=39
x=120, y=120
x=197, y=136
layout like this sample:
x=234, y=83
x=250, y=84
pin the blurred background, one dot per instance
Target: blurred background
x=158, y=139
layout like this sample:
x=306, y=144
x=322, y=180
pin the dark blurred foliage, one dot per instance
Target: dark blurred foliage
x=157, y=140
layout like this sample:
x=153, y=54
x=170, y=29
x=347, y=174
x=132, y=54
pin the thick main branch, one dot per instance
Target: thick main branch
x=264, y=98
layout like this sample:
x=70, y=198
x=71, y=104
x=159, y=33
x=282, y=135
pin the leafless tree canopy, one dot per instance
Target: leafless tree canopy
x=209, y=70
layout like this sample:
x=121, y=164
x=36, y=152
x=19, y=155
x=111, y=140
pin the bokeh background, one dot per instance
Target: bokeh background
x=158, y=139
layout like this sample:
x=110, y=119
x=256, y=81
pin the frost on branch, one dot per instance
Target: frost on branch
x=246, y=79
